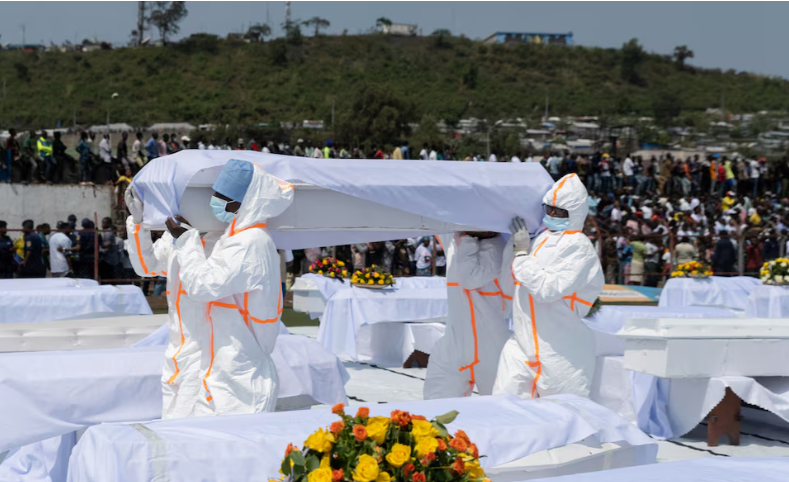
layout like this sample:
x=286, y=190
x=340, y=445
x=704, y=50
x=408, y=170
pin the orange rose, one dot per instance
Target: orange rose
x=363, y=412
x=458, y=444
x=401, y=418
x=290, y=449
x=418, y=477
x=462, y=435
x=337, y=475
x=337, y=427
x=473, y=451
x=459, y=466
x=441, y=444
x=408, y=468
x=338, y=409
x=430, y=457
x=360, y=432
x=418, y=417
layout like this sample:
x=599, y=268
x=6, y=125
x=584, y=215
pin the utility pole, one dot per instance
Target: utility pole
x=287, y=19
x=268, y=20
x=23, y=36
x=140, y=22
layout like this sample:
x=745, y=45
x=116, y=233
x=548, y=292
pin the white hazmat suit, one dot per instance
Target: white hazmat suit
x=468, y=353
x=551, y=350
x=224, y=308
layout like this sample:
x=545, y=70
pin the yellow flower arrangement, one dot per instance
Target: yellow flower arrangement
x=692, y=269
x=398, y=448
x=775, y=272
x=329, y=267
x=373, y=276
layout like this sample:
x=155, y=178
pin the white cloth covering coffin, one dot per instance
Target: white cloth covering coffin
x=479, y=195
x=250, y=447
x=768, y=302
x=731, y=293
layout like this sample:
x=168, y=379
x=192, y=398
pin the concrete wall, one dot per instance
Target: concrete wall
x=50, y=204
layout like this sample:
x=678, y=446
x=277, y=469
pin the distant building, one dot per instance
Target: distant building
x=530, y=38
x=402, y=29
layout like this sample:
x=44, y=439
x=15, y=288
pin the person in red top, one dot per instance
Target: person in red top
x=379, y=154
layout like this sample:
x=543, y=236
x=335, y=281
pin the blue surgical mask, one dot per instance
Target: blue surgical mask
x=218, y=208
x=556, y=224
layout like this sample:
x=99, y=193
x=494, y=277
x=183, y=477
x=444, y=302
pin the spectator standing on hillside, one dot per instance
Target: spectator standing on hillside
x=7, y=251
x=627, y=171
x=299, y=149
x=29, y=154
x=754, y=165
x=123, y=152
x=317, y=153
x=424, y=153
x=60, y=157
x=138, y=151
x=152, y=147
x=161, y=146
x=11, y=157
x=32, y=265
x=85, y=250
x=105, y=152
x=44, y=149
x=85, y=162
x=59, y=243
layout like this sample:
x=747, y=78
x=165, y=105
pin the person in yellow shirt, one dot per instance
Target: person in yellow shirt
x=754, y=218
x=728, y=202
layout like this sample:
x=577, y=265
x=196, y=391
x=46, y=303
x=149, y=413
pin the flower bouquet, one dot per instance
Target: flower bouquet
x=693, y=269
x=329, y=267
x=373, y=277
x=775, y=272
x=400, y=448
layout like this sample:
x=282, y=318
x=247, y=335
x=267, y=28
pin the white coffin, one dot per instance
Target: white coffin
x=306, y=297
x=705, y=348
x=83, y=334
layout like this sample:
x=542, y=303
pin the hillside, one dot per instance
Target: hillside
x=205, y=79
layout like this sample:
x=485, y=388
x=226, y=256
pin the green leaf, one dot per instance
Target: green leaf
x=286, y=466
x=312, y=463
x=448, y=417
x=442, y=431
x=298, y=470
x=297, y=458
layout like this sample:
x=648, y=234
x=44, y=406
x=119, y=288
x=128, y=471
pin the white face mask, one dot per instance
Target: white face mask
x=218, y=207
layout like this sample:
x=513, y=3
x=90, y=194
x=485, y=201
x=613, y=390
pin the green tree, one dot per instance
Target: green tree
x=318, y=23
x=682, y=53
x=633, y=56
x=441, y=35
x=292, y=31
x=165, y=17
x=379, y=24
x=666, y=106
x=258, y=32
x=428, y=133
x=376, y=115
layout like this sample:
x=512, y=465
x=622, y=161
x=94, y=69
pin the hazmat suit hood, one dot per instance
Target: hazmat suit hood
x=570, y=193
x=266, y=197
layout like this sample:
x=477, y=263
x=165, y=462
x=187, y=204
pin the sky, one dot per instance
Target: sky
x=748, y=36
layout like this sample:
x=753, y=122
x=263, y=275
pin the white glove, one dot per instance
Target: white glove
x=520, y=235
x=133, y=204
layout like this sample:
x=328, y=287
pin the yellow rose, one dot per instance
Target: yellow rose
x=367, y=275
x=340, y=263
x=377, y=428
x=322, y=474
x=325, y=461
x=366, y=470
x=371, y=282
x=383, y=477
x=426, y=445
x=331, y=274
x=473, y=468
x=398, y=455
x=320, y=271
x=344, y=273
x=380, y=281
x=320, y=441
x=423, y=428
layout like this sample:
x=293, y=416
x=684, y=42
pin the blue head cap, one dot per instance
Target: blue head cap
x=234, y=179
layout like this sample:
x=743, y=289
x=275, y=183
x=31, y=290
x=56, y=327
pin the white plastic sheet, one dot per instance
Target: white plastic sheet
x=611, y=318
x=768, y=302
x=19, y=284
x=70, y=302
x=250, y=447
x=717, y=291
x=713, y=469
x=45, y=394
x=350, y=309
x=483, y=195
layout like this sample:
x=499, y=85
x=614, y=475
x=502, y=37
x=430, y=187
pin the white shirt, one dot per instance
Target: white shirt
x=529, y=159
x=211, y=147
x=105, y=151
x=201, y=146
x=515, y=159
x=423, y=154
x=754, y=169
x=616, y=214
x=57, y=260
x=647, y=212
x=627, y=167
x=433, y=156
x=317, y=153
x=492, y=158
x=423, y=256
x=265, y=150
